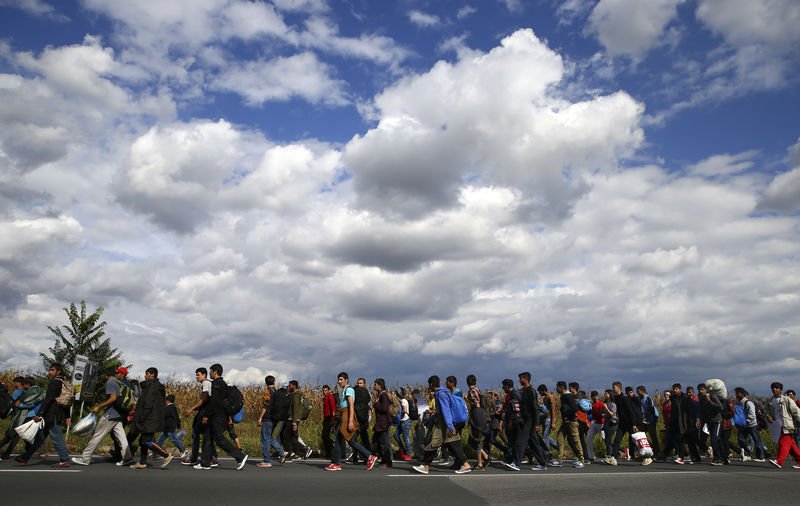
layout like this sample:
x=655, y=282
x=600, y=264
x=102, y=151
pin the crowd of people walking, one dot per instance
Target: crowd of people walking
x=432, y=425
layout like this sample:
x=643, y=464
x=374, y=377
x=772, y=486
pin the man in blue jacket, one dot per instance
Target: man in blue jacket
x=443, y=432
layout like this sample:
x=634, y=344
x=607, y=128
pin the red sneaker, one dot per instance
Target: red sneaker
x=371, y=462
x=334, y=467
x=64, y=464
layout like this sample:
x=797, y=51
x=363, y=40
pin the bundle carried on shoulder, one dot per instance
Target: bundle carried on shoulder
x=717, y=388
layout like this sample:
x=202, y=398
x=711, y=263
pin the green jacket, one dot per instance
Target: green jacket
x=296, y=410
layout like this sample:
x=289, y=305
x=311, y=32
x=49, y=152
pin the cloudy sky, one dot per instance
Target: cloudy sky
x=590, y=190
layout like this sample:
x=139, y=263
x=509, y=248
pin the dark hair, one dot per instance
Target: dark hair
x=217, y=369
x=362, y=379
x=690, y=387
x=610, y=392
x=20, y=379
x=28, y=380
x=776, y=385
x=326, y=387
x=153, y=371
x=170, y=398
x=415, y=392
x=642, y=388
x=269, y=380
x=594, y=393
x=574, y=384
x=542, y=388
x=740, y=390
x=701, y=386
x=676, y=385
x=381, y=383
x=562, y=384
x=790, y=392
x=471, y=380
x=294, y=383
x=58, y=367
x=508, y=383
x=525, y=375
x=617, y=384
x=434, y=381
x=111, y=371
x=342, y=375
x=452, y=380
x=201, y=370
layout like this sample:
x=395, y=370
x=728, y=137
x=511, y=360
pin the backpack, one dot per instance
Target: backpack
x=67, y=395
x=542, y=412
x=585, y=405
x=361, y=398
x=413, y=412
x=727, y=413
x=125, y=400
x=238, y=417
x=761, y=417
x=739, y=416
x=396, y=407
x=458, y=407
x=5, y=402
x=234, y=400
x=279, y=409
x=488, y=404
x=306, y=407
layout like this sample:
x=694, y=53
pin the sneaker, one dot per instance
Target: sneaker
x=242, y=462
x=334, y=467
x=185, y=455
x=187, y=461
x=214, y=463
x=611, y=461
x=138, y=466
x=124, y=463
x=774, y=463
x=746, y=458
x=67, y=463
x=647, y=461
x=167, y=460
x=796, y=466
x=539, y=468
x=420, y=469
x=587, y=462
x=201, y=467
x=267, y=464
x=717, y=464
x=710, y=453
x=511, y=466
x=679, y=460
x=760, y=461
x=445, y=462
x=308, y=452
x=80, y=461
x=465, y=470
x=283, y=457
x=578, y=464
x=556, y=463
x=371, y=462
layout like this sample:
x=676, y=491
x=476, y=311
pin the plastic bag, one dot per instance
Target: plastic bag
x=717, y=387
x=181, y=434
x=29, y=429
x=86, y=425
x=643, y=444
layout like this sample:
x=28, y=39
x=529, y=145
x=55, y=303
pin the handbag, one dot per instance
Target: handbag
x=29, y=429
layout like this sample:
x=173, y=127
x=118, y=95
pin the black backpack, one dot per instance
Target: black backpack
x=361, y=404
x=413, y=414
x=280, y=404
x=5, y=402
x=234, y=400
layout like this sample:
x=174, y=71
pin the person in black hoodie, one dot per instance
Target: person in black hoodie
x=54, y=415
x=216, y=420
x=628, y=420
x=148, y=418
x=529, y=409
x=172, y=424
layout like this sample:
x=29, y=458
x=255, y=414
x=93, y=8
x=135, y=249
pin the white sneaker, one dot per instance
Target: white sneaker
x=647, y=461
x=463, y=470
x=747, y=458
x=79, y=461
x=420, y=469
x=242, y=463
x=201, y=467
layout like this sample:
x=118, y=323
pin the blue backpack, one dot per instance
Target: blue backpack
x=739, y=416
x=458, y=407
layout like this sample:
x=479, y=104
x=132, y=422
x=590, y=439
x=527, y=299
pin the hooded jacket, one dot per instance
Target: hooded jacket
x=149, y=415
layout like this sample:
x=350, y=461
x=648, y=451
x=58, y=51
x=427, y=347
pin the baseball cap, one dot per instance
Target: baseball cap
x=122, y=370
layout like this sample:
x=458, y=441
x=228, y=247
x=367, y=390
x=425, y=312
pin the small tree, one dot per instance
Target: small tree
x=83, y=336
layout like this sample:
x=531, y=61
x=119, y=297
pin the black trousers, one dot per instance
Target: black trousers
x=214, y=432
x=289, y=440
x=363, y=433
x=381, y=446
x=327, y=440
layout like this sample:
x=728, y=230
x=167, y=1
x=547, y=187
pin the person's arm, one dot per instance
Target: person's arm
x=112, y=398
x=53, y=391
x=261, y=416
x=350, y=402
x=444, y=404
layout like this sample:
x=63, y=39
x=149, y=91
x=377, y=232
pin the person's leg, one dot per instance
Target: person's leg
x=101, y=430
x=363, y=422
x=575, y=440
x=387, y=449
x=325, y=435
x=274, y=442
x=741, y=437
x=457, y=450
x=582, y=439
x=551, y=443
x=594, y=430
x=118, y=431
x=784, y=444
x=610, y=433
x=58, y=441
x=537, y=447
x=265, y=438
x=758, y=445
x=617, y=441
x=38, y=441
x=715, y=432
x=176, y=441
x=197, y=432
x=338, y=444
x=161, y=438
x=652, y=435
x=218, y=435
x=693, y=444
x=726, y=444
x=521, y=439
x=143, y=448
x=208, y=444
x=11, y=445
x=560, y=440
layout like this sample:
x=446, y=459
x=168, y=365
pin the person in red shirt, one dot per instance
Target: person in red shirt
x=596, y=427
x=328, y=420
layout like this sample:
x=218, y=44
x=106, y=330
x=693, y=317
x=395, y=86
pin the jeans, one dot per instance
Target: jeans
x=172, y=437
x=267, y=441
x=546, y=428
x=755, y=435
x=401, y=436
x=610, y=431
x=339, y=442
x=594, y=429
x=54, y=431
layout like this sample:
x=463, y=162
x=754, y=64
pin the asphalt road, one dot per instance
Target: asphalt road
x=307, y=483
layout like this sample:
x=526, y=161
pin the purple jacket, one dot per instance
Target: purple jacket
x=382, y=418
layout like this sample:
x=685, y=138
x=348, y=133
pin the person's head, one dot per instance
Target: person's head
x=111, y=372
x=269, y=381
x=216, y=371
x=561, y=387
x=201, y=374
x=607, y=395
x=542, y=389
x=342, y=379
x=790, y=394
x=617, y=387
x=524, y=378
x=629, y=391
x=740, y=392
x=690, y=390
x=508, y=385
x=433, y=383
x=472, y=380
x=151, y=373
x=326, y=390
x=702, y=389
x=293, y=385
x=667, y=395
x=676, y=389
x=170, y=399
x=450, y=382
x=641, y=390
x=28, y=382
x=573, y=387
x=401, y=393
x=777, y=388
x=122, y=373
x=55, y=369
x=18, y=382
x=361, y=382
x=595, y=396
x=379, y=384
